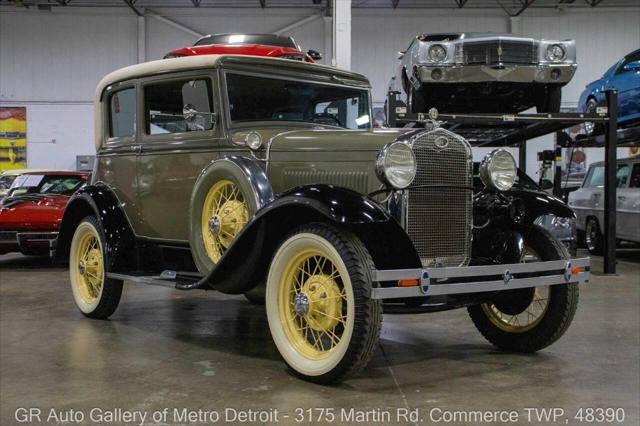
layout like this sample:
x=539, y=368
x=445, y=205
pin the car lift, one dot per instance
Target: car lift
x=492, y=130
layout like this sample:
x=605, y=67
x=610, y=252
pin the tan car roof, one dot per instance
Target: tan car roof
x=203, y=61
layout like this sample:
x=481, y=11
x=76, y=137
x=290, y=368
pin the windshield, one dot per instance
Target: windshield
x=6, y=181
x=268, y=39
x=269, y=99
x=46, y=184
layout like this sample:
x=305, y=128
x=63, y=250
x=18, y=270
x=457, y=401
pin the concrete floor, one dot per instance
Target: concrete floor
x=196, y=350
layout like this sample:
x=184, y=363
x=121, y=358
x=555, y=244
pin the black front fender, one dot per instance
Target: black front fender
x=245, y=264
x=539, y=203
x=99, y=201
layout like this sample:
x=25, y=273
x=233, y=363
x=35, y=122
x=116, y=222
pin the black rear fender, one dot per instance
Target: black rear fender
x=246, y=262
x=99, y=201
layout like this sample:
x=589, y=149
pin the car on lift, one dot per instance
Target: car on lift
x=623, y=76
x=270, y=45
x=31, y=211
x=230, y=173
x=588, y=203
x=483, y=72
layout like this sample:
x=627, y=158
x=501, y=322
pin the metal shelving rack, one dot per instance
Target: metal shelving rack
x=496, y=130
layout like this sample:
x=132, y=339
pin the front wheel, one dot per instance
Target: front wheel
x=321, y=317
x=530, y=319
x=95, y=295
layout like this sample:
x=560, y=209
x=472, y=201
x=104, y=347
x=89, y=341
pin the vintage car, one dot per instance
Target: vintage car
x=624, y=76
x=268, y=171
x=588, y=203
x=483, y=72
x=271, y=45
x=31, y=212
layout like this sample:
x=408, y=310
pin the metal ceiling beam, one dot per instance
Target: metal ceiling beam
x=151, y=14
x=196, y=3
x=394, y=3
x=525, y=6
x=63, y=2
x=131, y=4
x=263, y=3
x=593, y=3
x=461, y=3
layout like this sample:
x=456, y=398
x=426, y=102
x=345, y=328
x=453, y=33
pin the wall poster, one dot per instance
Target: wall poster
x=13, y=138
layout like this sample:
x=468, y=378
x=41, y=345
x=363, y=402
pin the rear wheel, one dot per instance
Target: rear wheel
x=95, y=295
x=593, y=236
x=527, y=320
x=321, y=317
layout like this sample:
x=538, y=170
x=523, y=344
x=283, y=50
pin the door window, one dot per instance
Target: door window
x=635, y=177
x=164, y=103
x=122, y=113
x=622, y=174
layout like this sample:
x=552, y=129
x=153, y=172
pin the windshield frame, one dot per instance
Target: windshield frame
x=234, y=124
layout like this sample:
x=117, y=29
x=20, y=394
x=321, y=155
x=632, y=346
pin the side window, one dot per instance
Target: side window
x=122, y=113
x=164, y=102
x=596, y=177
x=622, y=174
x=631, y=63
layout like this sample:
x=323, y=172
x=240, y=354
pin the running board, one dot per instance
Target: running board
x=168, y=279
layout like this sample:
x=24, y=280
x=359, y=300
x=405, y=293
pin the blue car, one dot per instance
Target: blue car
x=624, y=76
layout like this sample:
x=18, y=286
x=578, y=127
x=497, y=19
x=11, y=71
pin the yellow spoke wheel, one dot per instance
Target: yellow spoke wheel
x=320, y=315
x=531, y=315
x=313, y=304
x=224, y=213
x=87, y=264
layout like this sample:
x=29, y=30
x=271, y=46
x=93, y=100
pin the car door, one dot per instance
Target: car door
x=115, y=163
x=629, y=206
x=626, y=80
x=174, y=150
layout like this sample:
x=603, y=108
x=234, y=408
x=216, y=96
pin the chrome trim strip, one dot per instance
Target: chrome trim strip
x=474, y=271
x=477, y=287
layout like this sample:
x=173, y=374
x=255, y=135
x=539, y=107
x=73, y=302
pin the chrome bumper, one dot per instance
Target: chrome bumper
x=445, y=281
x=535, y=73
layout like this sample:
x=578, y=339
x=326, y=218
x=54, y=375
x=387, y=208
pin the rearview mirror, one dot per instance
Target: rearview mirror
x=190, y=113
x=314, y=54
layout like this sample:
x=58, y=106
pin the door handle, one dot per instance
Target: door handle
x=136, y=148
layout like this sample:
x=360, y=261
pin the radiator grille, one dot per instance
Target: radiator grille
x=499, y=51
x=439, y=219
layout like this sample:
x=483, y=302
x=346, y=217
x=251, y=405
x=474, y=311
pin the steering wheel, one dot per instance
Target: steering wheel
x=325, y=115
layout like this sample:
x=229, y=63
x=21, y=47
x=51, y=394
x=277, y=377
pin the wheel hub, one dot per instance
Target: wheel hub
x=319, y=302
x=301, y=304
x=214, y=225
x=82, y=267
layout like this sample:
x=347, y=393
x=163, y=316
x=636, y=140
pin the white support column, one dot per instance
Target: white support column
x=342, y=34
x=327, y=49
x=142, y=40
x=515, y=25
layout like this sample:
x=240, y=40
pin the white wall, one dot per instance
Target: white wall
x=50, y=62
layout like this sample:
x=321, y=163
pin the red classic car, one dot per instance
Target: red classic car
x=247, y=44
x=31, y=212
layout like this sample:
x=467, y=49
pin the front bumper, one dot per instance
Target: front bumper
x=479, y=279
x=28, y=242
x=535, y=73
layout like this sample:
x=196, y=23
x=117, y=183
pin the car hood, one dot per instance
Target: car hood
x=336, y=140
x=32, y=211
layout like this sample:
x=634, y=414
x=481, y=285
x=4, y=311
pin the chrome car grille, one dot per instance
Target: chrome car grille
x=439, y=219
x=499, y=52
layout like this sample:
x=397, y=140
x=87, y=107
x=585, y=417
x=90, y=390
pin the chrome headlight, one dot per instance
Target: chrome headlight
x=396, y=165
x=555, y=52
x=498, y=170
x=437, y=53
